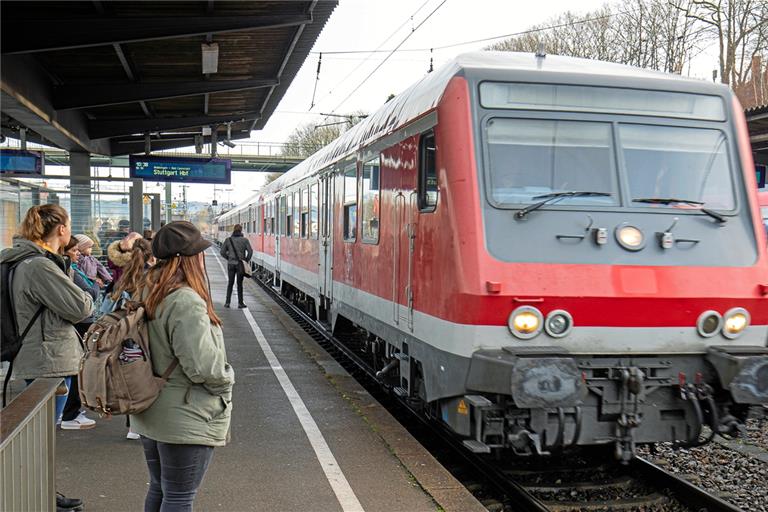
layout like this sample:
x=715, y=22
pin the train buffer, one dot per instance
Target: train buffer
x=329, y=447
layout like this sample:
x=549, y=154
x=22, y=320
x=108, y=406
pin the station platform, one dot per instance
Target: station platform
x=305, y=435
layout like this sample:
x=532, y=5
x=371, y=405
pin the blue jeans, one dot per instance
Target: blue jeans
x=61, y=400
x=175, y=472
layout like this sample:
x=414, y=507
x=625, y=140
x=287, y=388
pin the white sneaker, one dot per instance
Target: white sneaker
x=82, y=422
x=132, y=435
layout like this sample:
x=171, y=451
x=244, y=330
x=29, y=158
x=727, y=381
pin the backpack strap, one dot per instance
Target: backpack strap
x=168, y=371
x=232, y=244
x=10, y=365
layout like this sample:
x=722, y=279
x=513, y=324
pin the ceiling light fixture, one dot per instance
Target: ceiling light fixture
x=210, y=58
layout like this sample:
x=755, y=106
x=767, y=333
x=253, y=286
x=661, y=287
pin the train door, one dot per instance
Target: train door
x=404, y=232
x=278, y=212
x=325, y=267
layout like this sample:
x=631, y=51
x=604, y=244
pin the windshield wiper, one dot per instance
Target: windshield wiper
x=554, y=196
x=671, y=200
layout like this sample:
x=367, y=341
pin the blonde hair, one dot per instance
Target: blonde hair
x=40, y=221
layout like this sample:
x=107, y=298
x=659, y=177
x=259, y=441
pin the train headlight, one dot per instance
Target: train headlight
x=630, y=237
x=558, y=323
x=734, y=322
x=709, y=323
x=525, y=322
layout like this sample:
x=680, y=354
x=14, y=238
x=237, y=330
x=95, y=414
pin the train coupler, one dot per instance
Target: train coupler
x=630, y=417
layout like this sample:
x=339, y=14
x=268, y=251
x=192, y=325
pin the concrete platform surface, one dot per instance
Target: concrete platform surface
x=357, y=457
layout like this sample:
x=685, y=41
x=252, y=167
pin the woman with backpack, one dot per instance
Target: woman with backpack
x=192, y=413
x=46, y=299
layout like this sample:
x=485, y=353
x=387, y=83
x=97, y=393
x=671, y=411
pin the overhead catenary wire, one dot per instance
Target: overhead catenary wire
x=485, y=39
x=392, y=52
x=365, y=59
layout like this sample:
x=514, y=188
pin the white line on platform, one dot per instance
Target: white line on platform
x=344, y=493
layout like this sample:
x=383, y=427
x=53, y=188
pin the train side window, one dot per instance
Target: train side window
x=282, y=214
x=274, y=225
x=369, y=201
x=427, y=172
x=313, y=207
x=289, y=216
x=304, y=212
x=296, y=215
x=350, y=203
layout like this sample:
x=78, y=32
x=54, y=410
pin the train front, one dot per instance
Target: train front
x=625, y=248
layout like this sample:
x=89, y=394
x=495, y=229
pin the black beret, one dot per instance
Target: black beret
x=179, y=238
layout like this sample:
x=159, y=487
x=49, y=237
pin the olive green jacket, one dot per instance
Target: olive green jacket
x=51, y=347
x=195, y=405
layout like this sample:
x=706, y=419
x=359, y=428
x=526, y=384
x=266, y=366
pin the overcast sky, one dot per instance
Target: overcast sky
x=369, y=24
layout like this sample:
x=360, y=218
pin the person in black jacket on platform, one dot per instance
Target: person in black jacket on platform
x=237, y=250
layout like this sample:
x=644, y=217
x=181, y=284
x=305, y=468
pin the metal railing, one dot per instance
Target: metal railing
x=274, y=150
x=27, y=449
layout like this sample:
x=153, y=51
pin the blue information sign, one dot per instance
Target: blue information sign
x=177, y=169
x=18, y=162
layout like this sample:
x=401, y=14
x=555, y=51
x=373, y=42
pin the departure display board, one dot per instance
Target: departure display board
x=18, y=162
x=761, y=178
x=182, y=170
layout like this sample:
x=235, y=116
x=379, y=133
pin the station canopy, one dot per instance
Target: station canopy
x=99, y=77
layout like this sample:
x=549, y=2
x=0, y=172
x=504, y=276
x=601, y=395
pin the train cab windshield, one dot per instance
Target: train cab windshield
x=534, y=154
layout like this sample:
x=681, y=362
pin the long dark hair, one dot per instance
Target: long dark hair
x=133, y=278
x=170, y=275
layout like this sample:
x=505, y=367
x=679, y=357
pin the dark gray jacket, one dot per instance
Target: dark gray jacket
x=242, y=249
x=51, y=348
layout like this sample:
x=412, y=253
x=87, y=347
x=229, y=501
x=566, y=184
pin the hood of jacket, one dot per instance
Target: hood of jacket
x=116, y=256
x=23, y=248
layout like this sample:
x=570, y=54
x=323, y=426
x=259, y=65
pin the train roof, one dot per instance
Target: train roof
x=424, y=95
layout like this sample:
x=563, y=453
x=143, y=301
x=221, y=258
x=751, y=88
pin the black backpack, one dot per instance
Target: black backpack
x=11, y=339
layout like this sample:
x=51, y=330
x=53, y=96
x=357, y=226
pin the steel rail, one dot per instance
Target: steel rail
x=684, y=491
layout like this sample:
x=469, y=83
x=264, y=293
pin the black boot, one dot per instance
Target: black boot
x=241, y=305
x=226, y=304
x=65, y=504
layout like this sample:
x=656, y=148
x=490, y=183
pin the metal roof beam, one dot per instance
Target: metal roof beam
x=66, y=97
x=100, y=129
x=62, y=34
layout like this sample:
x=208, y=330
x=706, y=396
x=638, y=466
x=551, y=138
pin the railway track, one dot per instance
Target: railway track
x=584, y=484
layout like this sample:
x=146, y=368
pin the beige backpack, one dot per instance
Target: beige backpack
x=116, y=375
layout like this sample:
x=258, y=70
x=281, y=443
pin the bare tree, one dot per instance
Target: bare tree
x=309, y=138
x=655, y=34
x=740, y=28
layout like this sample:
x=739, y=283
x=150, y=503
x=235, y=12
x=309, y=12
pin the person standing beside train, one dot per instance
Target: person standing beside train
x=192, y=414
x=237, y=250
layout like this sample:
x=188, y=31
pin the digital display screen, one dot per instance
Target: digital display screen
x=177, y=169
x=21, y=162
x=760, y=170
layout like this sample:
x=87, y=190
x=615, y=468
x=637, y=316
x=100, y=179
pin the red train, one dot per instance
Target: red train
x=543, y=252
